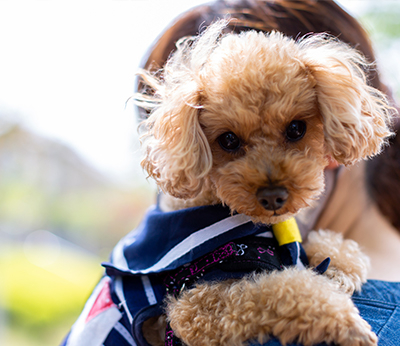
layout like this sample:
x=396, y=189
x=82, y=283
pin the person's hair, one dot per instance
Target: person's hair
x=295, y=19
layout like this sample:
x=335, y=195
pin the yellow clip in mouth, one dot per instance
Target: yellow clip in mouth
x=287, y=232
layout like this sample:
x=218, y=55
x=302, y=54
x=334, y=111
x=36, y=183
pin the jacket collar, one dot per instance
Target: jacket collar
x=167, y=240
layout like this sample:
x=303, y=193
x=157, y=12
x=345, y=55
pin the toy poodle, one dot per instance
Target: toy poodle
x=250, y=121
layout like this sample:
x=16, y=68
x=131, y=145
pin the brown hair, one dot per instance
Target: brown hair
x=296, y=19
x=293, y=18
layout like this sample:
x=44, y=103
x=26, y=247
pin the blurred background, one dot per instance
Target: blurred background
x=70, y=180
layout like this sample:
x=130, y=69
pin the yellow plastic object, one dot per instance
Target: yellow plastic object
x=287, y=232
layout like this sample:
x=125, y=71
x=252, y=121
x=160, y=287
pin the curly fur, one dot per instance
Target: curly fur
x=349, y=266
x=282, y=303
x=254, y=84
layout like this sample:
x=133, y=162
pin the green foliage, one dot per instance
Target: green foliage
x=94, y=218
x=37, y=294
x=22, y=203
x=383, y=22
x=41, y=292
x=44, y=285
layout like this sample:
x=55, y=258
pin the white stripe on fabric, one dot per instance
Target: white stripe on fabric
x=151, y=297
x=96, y=330
x=118, y=257
x=299, y=263
x=122, y=330
x=119, y=291
x=267, y=234
x=196, y=239
x=82, y=330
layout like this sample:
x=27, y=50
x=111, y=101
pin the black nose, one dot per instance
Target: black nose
x=272, y=197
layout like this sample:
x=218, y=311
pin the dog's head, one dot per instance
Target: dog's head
x=252, y=119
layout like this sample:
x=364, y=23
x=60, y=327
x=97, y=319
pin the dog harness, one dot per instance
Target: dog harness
x=168, y=252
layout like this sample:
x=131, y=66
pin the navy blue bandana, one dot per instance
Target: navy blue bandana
x=168, y=240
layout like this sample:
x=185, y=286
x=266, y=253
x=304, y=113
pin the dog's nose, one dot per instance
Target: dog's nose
x=272, y=197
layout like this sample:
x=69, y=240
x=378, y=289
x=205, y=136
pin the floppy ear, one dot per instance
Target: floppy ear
x=355, y=116
x=178, y=155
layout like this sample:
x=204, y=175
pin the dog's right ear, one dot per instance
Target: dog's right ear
x=177, y=153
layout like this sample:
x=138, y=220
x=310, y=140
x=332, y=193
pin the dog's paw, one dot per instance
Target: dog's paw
x=349, y=265
x=292, y=305
x=359, y=335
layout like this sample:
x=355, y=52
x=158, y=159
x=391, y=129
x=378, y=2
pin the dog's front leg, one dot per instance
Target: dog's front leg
x=292, y=305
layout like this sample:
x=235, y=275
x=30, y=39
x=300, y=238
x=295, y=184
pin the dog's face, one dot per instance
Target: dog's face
x=263, y=125
x=255, y=118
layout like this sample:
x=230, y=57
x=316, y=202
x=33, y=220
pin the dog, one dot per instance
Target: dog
x=250, y=121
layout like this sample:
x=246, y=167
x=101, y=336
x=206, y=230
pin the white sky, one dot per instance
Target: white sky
x=67, y=69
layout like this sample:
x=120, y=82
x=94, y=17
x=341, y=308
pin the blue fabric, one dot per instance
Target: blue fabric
x=193, y=231
x=292, y=254
x=379, y=305
x=139, y=251
x=168, y=229
x=136, y=296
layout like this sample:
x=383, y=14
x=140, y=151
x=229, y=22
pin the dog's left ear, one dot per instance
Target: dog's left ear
x=356, y=116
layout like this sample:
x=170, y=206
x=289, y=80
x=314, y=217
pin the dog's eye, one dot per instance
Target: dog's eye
x=229, y=141
x=296, y=130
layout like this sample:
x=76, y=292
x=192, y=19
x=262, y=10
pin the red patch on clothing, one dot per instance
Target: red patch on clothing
x=102, y=302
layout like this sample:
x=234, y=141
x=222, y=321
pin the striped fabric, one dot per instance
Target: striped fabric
x=132, y=289
x=165, y=241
